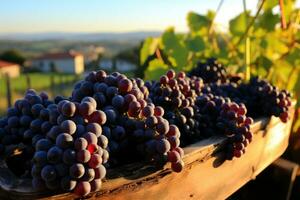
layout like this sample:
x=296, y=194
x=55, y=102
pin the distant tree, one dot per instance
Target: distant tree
x=13, y=56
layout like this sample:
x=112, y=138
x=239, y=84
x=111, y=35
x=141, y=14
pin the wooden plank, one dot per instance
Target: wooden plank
x=287, y=175
x=206, y=174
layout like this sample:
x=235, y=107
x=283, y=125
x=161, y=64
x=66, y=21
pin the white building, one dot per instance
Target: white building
x=121, y=65
x=10, y=69
x=69, y=62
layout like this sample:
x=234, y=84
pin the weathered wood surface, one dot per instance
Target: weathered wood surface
x=206, y=175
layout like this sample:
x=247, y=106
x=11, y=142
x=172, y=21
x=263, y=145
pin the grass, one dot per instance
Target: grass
x=63, y=84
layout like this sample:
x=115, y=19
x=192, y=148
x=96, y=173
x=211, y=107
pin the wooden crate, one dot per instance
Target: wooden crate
x=206, y=174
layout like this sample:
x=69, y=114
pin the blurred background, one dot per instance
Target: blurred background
x=49, y=45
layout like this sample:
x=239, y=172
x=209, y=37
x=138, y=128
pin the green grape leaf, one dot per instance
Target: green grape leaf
x=175, y=48
x=269, y=4
x=289, y=6
x=195, y=43
x=196, y=22
x=238, y=25
x=293, y=57
x=273, y=47
x=268, y=20
x=149, y=46
x=155, y=69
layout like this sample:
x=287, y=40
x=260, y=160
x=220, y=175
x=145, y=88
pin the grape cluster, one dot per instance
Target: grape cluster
x=71, y=155
x=26, y=122
x=177, y=95
x=210, y=71
x=218, y=115
x=265, y=99
x=260, y=97
x=135, y=127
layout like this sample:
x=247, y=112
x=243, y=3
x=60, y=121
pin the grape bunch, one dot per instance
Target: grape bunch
x=71, y=156
x=264, y=99
x=210, y=71
x=260, y=97
x=177, y=94
x=26, y=122
x=219, y=115
x=135, y=127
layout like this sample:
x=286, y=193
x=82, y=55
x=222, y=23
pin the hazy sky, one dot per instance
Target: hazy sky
x=107, y=15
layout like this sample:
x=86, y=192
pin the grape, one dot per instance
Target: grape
x=80, y=130
x=147, y=111
x=173, y=131
x=180, y=151
x=68, y=126
x=125, y=85
x=162, y=127
x=174, y=156
x=36, y=125
x=80, y=143
x=64, y=140
x=118, y=101
x=77, y=171
x=96, y=185
x=94, y=128
x=40, y=158
x=54, y=155
x=69, y=156
x=103, y=141
x=13, y=122
x=111, y=92
x=67, y=183
x=92, y=148
x=158, y=111
x=171, y=74
x=48, y=173
x=177, y=166
x=43, y=145
x=90, y=137
x=100, y=75
x=86, y=88
x=174, y=141
x=82, y=188
x=90, y=100
x=151, y=121
x=163, y=146
x=54, y=132
x=97, y=117
x=118, y=133
x=36, y=171
x=100, y=172
x=36, y=109
x=86, y=108
x=95, y=161
x=25, y=120
x=89, y=175
x=111, y=116
x=83, y=156
x=46, y=127
x=105, y=156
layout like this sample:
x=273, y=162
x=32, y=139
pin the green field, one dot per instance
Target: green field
x=62, y=85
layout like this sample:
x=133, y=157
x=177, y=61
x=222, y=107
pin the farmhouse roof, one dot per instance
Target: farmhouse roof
x=6, y=64
x=61, y=55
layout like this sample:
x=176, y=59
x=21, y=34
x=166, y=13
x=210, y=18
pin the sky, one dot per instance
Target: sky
x=28, y=16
